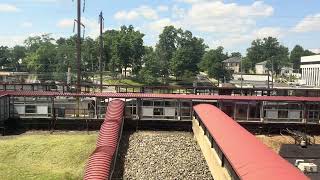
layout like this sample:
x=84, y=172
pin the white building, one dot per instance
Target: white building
x=261, y=68
x=286, y=71
x=233, y=64
x=310, y=66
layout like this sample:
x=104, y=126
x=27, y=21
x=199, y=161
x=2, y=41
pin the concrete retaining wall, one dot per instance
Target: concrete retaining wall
x=211, y=156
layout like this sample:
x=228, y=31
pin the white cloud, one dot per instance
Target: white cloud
x=158, y=25
x=18, y=39
x=235, y=40
x=195, y=1
x=91, y=26
x=162, y=8
x=221, y=17
x=316, y=50
x=308, y=24
x=178, y=12
x=140, y=12
x=65, y=23
x=268, y=31
x=12, y=40
x=26, y=25
x=8, y=8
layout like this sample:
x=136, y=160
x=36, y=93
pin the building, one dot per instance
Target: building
x=261, y=68
x=127, y=72
x=286, y=71
x=233, y=64
x=310, y=66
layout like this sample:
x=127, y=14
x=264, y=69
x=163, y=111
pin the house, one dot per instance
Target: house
x=233, y=64
x=261, y=68
x=310, y=66
x=127, y=72
x=286, y=71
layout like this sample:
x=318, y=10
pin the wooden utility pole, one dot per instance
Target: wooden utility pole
x=101, y=21
x=78, y=45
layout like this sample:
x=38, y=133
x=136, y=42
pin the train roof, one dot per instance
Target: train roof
x=165, y=96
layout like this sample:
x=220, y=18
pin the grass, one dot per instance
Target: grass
x=40, y=155
x=128, y=82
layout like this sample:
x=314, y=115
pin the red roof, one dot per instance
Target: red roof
x=249, y=157
x=166, y=96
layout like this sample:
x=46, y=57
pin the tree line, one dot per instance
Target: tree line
x=178, y=55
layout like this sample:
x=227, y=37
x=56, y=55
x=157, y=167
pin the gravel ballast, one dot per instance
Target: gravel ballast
x=160, y=155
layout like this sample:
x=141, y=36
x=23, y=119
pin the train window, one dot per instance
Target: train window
x=185, y=112
x=147, y=103
x=186, y=104
x=158, y=103
x=282, y=114
x=294, y=106
x=254, y=111
x=30, y=109
x=170, y=103
x=158, y=111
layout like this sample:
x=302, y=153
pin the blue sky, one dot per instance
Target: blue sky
x=232, y=24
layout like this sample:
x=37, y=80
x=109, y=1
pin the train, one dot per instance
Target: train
x=248, y=109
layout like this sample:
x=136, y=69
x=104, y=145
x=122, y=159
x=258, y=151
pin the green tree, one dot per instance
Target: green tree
x=236, y=54
x=151, y=71
x=212, y=63
x=4, y=55
x=18, y=53
x=65, y=57
x=188, y=55
x=165, y=48
x=124, y=49
x=268, y=49
x=296, y=53
x=41, y=57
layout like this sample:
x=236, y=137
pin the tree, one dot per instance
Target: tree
x=165, y=48
x=296, y=53
x=151, y=70
x=42, y=55
x=4, y=55
x=212, y=63
x=18, y=53
x=236, y=54
x=246, y=65
x=188, y=55
x=124, y=49
x=268, y=49
x=90, y=55
x=65, y=57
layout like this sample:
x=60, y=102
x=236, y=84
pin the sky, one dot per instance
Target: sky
x=228, y=23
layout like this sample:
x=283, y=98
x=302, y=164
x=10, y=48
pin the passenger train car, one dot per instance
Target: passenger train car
x=252, y=110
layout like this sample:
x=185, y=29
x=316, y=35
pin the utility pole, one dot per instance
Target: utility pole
x=78, y=45
x=241, y=74
x=78, y=50
x=272, y=71
x=101, y=21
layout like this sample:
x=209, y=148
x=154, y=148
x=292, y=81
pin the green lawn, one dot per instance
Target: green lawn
x=127, y=82
x=40, y=155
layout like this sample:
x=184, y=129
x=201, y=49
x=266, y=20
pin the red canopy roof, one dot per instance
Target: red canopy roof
x=165, y=96
x=250, y=158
